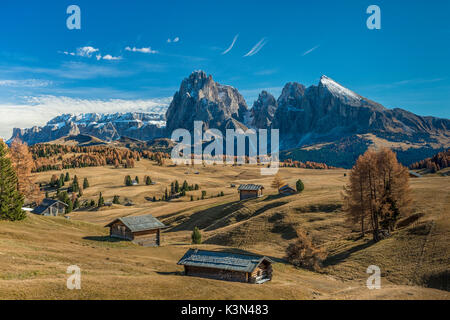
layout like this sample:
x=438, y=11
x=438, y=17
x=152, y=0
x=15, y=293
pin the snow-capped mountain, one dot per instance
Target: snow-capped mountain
x=108, y=127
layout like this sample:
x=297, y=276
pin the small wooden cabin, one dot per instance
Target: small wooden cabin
x=248, y=191
x=286, y=190
x=50, y=207
x=227, y=266
x=143, y=230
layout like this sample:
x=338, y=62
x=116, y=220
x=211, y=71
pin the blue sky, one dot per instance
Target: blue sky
x=405, y=64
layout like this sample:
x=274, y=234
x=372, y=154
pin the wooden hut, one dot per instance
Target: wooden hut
x=227, y=266
x=144, y=230
x=414, y=174
x=50, y=207
x=248, y=191
x=286, y=190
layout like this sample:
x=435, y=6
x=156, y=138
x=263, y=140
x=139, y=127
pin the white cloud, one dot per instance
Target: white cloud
x=110, y=57
x=232, y=44
x=310, y=50
x=86, y=51
x=261, y=43
x=36, y=111
x=142, y=50
x=176, y=39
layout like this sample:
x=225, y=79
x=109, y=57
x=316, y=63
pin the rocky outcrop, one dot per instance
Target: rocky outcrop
x=200, y=98
x=263, y=110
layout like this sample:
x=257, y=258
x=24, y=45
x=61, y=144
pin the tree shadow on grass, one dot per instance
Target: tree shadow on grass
x=205, y=218
x=103, y=239
x=170, y=273
x=341, y=256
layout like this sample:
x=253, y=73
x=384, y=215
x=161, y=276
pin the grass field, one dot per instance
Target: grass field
x=35, y=253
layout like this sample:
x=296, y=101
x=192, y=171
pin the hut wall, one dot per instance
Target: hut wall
x=119, y=230
x=247, y=194
x=262, y=271
x=213, y=273
x=148, y=237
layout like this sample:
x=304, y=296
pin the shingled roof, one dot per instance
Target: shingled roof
x=250, y=187
x=140, y=223
x=45, y=204
x=221, y=260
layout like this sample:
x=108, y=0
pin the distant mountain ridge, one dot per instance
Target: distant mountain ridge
x=107, y=127
x=314, y=122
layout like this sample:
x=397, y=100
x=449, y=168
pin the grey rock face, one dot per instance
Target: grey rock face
x=263, y=110
x=330, y=111
x=201, y=99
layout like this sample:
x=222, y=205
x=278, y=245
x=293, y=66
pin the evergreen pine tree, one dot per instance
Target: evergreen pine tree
x=69, y=208
x=11, y=201
x=299, y=185
x=196, y=236
x=101, y=201
x=85, y=183
x=75, y=185
x=116, y=200
x=67, y=177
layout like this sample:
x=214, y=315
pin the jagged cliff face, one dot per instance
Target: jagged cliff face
x=108, y=127
x=329, y=111
x=202, y=99
x=263, y=110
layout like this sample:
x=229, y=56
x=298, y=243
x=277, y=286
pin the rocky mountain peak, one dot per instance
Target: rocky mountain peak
x=200, y=98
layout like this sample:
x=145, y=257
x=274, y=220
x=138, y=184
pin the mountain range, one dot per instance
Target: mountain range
x=324, y=123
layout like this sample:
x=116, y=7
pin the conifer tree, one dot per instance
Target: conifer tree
x=196, y=236
x=85, y=183
x=11, y=201
x=101, y=201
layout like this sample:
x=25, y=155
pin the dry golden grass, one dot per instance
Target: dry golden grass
x=35, y=253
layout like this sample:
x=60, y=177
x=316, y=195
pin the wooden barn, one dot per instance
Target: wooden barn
x=286, y=190
x=50, y=207
x=227, y=266
x=248, y=191
x=143, y=230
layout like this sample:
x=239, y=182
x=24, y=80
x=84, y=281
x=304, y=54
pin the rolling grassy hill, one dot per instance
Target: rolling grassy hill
x=35, y=253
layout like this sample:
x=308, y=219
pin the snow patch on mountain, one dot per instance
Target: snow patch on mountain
x=339, y=91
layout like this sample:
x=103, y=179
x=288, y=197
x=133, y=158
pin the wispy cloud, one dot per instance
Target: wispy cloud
x=232, y=44
x=176, y=39
x=39, y=110
x=310, y=50
x=256, y=48
x=266, y=72
x=407, y=82
x=26, y=83
x=141, y=50
x=69, y=70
